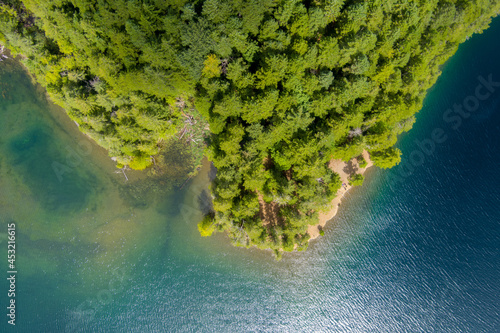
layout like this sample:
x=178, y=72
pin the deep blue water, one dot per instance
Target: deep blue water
x=408, y=252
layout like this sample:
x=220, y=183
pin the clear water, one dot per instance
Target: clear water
x=417, y=255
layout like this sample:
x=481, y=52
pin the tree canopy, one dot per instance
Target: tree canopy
x=283, y=86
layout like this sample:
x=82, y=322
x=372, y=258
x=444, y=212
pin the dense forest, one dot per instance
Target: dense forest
x=273, y=89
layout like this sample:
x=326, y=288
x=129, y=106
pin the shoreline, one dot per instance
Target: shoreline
x=342, y=169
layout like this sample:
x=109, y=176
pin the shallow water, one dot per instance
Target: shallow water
x=417, y=255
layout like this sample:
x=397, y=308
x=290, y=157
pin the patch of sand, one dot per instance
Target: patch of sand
x=344, y=170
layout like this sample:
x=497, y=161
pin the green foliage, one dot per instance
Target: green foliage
x=140, y=162
x=211, y=68
x=282, y=86
x=356, y=180
x=207, y=226
x=108, y=65
x=386, y=158
x=361, y=162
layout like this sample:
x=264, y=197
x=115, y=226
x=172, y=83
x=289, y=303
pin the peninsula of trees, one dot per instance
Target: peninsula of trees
x=278, y=88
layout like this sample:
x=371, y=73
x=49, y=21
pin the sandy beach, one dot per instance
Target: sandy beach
x=344, y=170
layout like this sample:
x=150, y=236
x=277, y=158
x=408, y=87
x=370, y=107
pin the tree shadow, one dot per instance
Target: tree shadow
x=205, y=202
x=212, y=172
x=351, y=168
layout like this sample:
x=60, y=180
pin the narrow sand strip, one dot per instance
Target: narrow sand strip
x=343, y=169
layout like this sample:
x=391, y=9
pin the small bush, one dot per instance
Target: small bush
x=356, y=180
x=207, y=226
x=362, y=162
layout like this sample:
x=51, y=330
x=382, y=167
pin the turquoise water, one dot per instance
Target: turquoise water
x=416, y=249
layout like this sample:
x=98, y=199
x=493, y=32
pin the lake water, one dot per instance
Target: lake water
x=416, y=249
